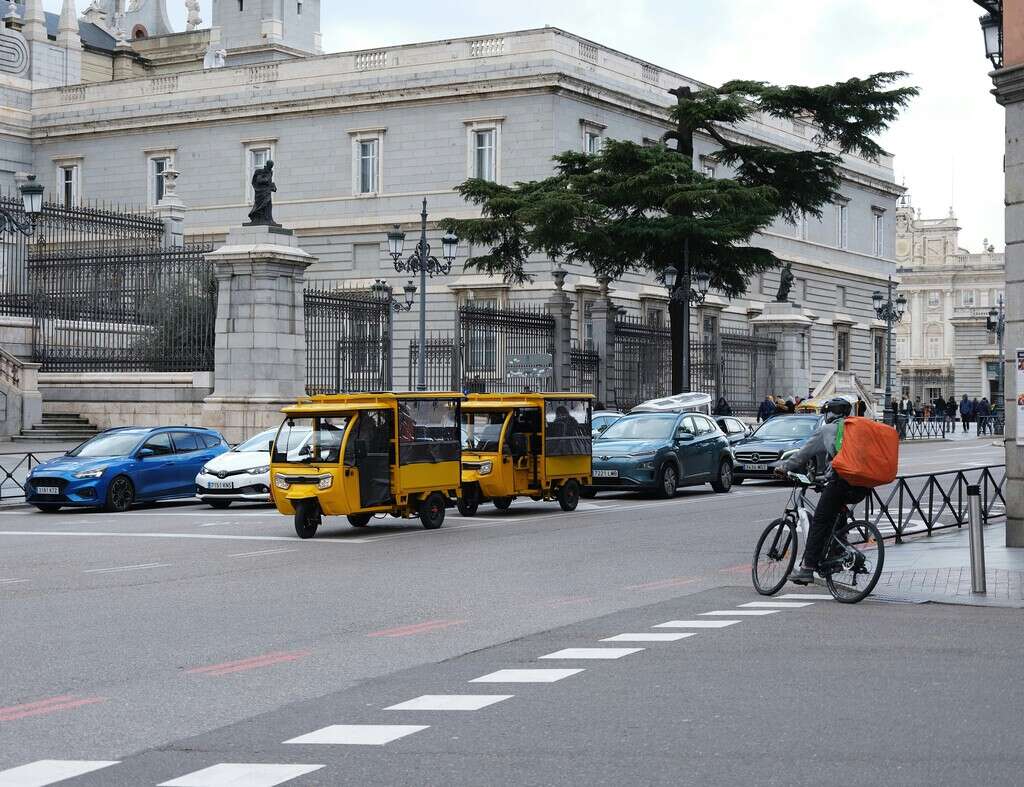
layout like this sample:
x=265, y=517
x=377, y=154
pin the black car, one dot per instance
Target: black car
x=733, y=428
x=776, y=439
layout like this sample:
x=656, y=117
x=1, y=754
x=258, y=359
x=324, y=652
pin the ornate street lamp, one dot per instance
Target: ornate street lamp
x=422, y=262
x=992, y=30
x=996, y=324
x=32, y=204
x=891, y=313
x=383, y=290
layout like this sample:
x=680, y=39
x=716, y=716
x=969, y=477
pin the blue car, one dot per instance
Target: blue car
x=120, y=467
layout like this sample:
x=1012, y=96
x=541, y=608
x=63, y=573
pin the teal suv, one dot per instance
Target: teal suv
x=660, y=452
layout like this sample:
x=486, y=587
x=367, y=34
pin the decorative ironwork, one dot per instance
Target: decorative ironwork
x=642, y=366
x=747, y=370
x=440, y=363
x=348, y=340
x=506, y=350
x=584, y=371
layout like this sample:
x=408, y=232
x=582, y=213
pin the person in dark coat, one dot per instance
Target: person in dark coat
x=722, y=408
x=984, y=415
x=951, y=409
x=766, y=410
x=966, y=413
x=940, y=408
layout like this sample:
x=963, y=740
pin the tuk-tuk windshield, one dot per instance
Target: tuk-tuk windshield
x=310, y=441
x=482, y=431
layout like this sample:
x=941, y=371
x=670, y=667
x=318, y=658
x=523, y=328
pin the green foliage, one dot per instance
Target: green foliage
x=178, y=316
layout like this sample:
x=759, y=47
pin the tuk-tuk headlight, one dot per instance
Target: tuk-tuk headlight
x=486, y=468
x=325, y=482
x=281, y=482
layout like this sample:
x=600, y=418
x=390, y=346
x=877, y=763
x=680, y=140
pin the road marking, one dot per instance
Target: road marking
x=416, y=628
x=696, y=624
x=262, y=552
x=811, y=596
x=663, y=583
x=44, y=707
x=230, y=774
x=747, y=612
x=117, y=569
x=358, y=734
x=592, y=653
x=43, y=772
x=565, y=602
x=12, y=581
x=527, y=676
x=777, y=604
x=647, y=637
x=242, y=665
x=190, y=536
x=452, y=702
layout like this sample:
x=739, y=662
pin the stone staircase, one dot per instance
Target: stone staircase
x=58, y=428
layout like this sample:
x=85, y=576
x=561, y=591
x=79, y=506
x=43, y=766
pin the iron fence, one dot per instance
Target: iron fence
x=928, y=502
x=122, y=308
x=747, y=370
x=584, y=371
x=440, y=363
x=348, y=340
x=994, y=425
x=923, y=429
x=15, y=469
x=641, y=365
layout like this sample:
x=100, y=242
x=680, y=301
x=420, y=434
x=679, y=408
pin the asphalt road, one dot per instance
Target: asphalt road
x=177, y=638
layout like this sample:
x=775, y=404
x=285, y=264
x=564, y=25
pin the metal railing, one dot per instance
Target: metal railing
x=923, y=429
x=14, y=470
x=927, y=502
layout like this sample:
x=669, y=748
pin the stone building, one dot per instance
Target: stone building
x=360, y=137
x=943, y=346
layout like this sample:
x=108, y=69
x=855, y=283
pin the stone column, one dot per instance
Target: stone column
x=602, y=316
x=790, y=328
x=172, y=210
x=560, y=307
x=1009, y=92
x=261, y=339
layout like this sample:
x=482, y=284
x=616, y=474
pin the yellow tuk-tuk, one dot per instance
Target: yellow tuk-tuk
x=363, y=455
x=525, y=445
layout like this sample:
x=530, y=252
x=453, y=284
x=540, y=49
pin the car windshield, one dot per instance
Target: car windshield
x=641, y=427
x=482, y=431
x=115, y=444
x=786, y=428
x=307, y=441
x=260, y=442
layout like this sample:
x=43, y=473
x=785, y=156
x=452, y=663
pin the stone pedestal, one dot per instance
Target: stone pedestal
x=560, y=307
x=260, y=361
x=786, y=323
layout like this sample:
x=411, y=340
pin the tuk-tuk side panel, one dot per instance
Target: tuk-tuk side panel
x=419, y=478
x=561, y=468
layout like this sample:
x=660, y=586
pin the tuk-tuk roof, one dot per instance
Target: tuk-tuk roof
x=524, y=399
x=485, y=406
x=338, y=403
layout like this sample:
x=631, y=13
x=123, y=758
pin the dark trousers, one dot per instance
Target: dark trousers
x=836, y=495
x=966, y=421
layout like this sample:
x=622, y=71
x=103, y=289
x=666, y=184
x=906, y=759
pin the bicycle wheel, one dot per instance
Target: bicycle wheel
x=856, y=557
x=774, y=557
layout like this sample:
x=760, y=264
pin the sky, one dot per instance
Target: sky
x=948, y=145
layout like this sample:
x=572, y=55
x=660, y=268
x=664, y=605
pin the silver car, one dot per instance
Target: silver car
x=242, y=475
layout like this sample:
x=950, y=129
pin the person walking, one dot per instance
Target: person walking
x=984, y=417
x=940, y=408
x=966, y=413
x=766, y=410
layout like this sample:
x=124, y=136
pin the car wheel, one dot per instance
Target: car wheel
x=120, y=496
x=668, y=481
x=307, y=518
x=359, y=520
x=469, y=501
x=432, y=511
x=723, y=481
x=569, y=495
x=503, y=503
x=219, y=504
x=47, y=509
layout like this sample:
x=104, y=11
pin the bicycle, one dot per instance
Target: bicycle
x=853, y=561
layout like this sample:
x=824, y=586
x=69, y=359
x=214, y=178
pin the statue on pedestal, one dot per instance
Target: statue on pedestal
x=262, y=213
x=786, y=284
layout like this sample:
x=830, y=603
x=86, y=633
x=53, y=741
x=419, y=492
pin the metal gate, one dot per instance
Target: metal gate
x=440, y=363
x=584, y=371
x=348, y=340
x=505, y=350
x=748, y=370
x=642, y=367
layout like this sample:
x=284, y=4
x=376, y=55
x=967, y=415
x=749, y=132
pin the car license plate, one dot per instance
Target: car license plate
x=606, y=474
x=221, y=485
x=756, y=468
x=48, y=490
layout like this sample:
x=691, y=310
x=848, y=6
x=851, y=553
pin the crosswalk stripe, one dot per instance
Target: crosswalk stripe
x=747, y=612
x=452, y=702
x=527, y=676
x=44, y=772
x=809, y=596
x=592, y=653
x=231, y=774
x=357, y=735
x=648, y=637
x=696, y=624
x=777, y=604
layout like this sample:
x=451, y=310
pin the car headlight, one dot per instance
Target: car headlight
x=281, y=482
x=205, y=470
x=644, y=454
x=258, y=470
x=325, y=482
x=97, y=473
x=789, y=454
x=486, y=468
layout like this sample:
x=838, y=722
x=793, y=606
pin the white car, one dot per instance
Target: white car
x=242, y=475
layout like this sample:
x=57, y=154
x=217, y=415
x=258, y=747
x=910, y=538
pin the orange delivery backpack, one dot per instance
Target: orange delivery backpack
x=867, y=453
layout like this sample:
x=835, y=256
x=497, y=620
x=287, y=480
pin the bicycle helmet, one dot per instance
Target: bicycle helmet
x=837, y=408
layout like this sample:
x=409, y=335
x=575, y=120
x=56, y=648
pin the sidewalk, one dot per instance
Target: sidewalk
x=938, y=569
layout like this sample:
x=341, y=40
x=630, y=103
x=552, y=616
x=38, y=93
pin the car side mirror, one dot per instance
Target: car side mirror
x=146, y=453
x=684, y=436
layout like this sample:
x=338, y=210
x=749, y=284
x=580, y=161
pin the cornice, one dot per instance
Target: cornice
x=1009, y=85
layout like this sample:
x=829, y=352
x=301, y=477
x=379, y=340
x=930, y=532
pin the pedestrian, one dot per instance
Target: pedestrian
x=722, y=408
x=984, y=416
x=940, y=408
x=861, y=409
x=951, y=409
x=790, y=406
x=766, y=410
x=966, y=413
x=780, y=405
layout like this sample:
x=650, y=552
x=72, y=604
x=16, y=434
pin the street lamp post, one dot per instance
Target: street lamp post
x=891, y=312
x=996, y=324
x=992, y=29
x=383, y=290
x=421, y=262
x=686, y=287
x=32, y=202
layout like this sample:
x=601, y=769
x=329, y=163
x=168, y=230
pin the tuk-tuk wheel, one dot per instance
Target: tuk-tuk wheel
x=469, y=500
x=307, y=518
x=569, y=495
x=503, y=503
x=432, y=511
x=359, y=520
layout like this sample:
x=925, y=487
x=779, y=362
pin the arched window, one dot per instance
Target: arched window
x=139, y=32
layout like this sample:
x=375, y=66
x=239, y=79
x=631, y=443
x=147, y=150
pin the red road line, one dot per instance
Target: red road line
x=735, y=569
x=416, y=628
x=255, y=662
x=43, y=707
x=663, y=583
x=564, y=602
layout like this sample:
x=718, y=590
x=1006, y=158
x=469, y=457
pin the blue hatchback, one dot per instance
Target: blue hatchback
x=124, y=466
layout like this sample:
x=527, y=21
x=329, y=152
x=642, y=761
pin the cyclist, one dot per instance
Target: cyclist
x=837, y=492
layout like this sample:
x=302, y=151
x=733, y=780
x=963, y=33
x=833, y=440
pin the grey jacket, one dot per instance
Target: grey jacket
x=823, y=439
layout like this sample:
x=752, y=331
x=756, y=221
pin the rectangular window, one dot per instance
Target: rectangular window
x=842, y=225
x=68, y=185
x=842, y=350
x=588, y=325
x=934, y=347
x=968, y=298
x=592, y=142
x=656, y=317
x=484, y=154
x=368, y=166
x=158, y=165
x=878, y=343
x=840, y=296
x=934, y=299
x=879, y=234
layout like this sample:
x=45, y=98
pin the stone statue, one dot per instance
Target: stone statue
x=262, y=213
x=194, y=19
x=96, y=14
x=786, y=284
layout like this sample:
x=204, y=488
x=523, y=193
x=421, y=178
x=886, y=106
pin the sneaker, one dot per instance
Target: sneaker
x=802, y=576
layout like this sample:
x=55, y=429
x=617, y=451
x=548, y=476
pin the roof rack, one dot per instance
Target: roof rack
x=681, y=403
